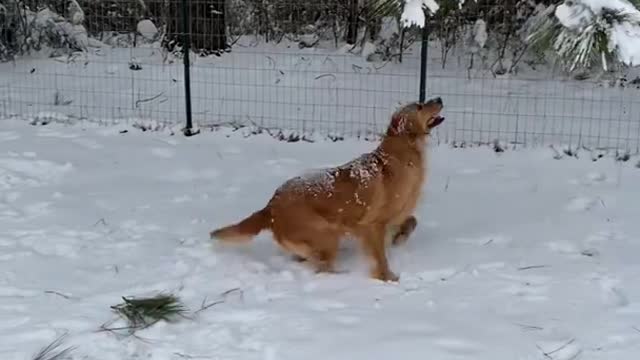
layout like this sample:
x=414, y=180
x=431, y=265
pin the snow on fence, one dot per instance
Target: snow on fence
x=331, y=67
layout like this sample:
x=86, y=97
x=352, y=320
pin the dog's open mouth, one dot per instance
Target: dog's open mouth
x=437, y=121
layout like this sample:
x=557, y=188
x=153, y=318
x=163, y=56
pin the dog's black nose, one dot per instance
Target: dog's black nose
x=437, y=101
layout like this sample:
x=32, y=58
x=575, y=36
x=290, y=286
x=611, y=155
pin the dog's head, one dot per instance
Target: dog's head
x=416, y=119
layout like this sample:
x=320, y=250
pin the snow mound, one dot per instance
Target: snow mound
x=147, y=29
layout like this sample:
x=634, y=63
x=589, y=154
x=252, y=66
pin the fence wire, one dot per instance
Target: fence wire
x=333, y=67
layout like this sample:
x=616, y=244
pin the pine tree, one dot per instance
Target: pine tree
x=584, y=33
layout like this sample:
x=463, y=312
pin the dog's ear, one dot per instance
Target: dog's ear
x=398, y=125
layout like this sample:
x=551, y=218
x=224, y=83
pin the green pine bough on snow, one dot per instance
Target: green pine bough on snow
x=141, y=313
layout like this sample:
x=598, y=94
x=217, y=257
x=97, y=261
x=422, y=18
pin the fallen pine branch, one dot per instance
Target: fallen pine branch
x=54, y=350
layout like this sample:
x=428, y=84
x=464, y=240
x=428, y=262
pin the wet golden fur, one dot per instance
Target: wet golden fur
x=364, y=198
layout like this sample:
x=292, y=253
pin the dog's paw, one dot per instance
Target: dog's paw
x=391, y=277
x=386, y=276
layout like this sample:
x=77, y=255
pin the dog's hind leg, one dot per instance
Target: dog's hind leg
x=325, y=251
x=307, y=235
x=404, y=231
x=319, y=251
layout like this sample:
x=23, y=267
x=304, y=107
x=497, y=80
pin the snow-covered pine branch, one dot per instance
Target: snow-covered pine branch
x=583, y=32
x=414, y=10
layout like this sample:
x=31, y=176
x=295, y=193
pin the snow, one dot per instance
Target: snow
x=388, y=28
x=480, y=35
x=516, y=255
x=597, y=6
x=75, y=12
x=362, y=169
x=368, y=49
x=572, y=17
x=413, y=12
x=624, y=37
x=147, y=29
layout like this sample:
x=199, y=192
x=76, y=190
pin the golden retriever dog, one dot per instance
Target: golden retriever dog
x=365, y=198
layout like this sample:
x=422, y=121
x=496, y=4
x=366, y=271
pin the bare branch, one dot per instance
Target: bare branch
x=532, y=267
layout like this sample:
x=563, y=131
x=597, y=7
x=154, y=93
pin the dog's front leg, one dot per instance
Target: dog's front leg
x=372, y=241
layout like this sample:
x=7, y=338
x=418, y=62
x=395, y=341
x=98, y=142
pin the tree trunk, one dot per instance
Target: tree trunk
x=206, y=26
x=352, y=26
x=9, y=23
x=208, y=31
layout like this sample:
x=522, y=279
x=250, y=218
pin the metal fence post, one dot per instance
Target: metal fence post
x=186, y=46
x=423, y=57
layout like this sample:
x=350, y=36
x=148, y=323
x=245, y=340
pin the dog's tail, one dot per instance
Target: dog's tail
x=246, y=229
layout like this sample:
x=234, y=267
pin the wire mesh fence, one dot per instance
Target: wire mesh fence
x=333, y=67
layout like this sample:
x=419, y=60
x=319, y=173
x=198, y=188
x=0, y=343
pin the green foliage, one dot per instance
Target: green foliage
x=143, y=312
x=581, y=49
x=544, y=31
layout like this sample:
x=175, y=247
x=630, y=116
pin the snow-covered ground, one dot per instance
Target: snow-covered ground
x=327, y=90
x=517, y=255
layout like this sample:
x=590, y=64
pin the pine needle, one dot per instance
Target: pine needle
x=543, y=28
x=54, y=350
x=141, y=313
x=377, y=9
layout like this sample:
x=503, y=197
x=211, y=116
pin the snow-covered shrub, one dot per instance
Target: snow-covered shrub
x=497, y=25
x=105, y=18
x=47, y=28
x=24, y=29
x=273, y=19
x=475, y=42
x=387, y=42
x=9, y=29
